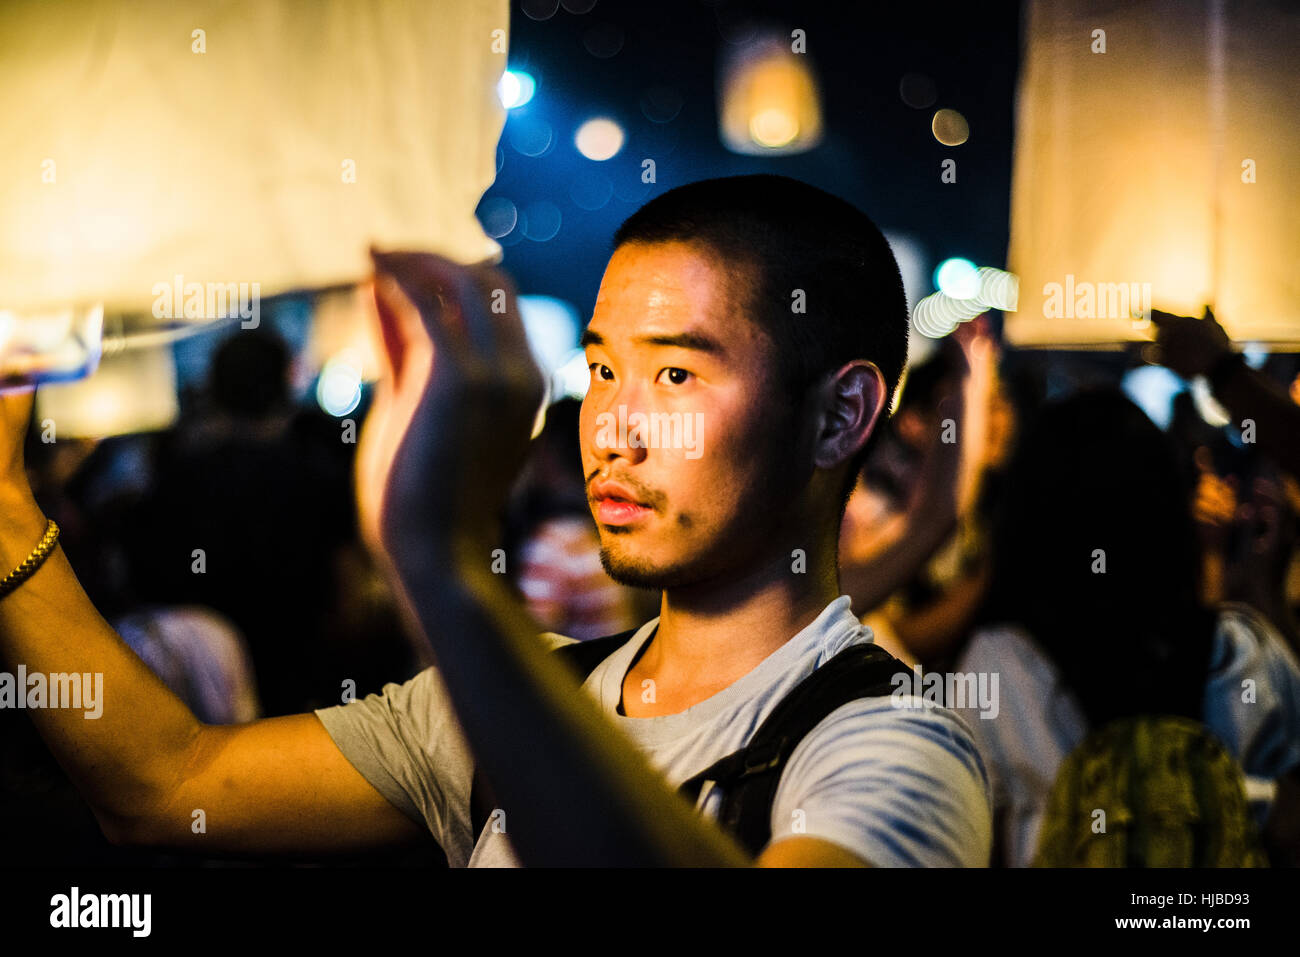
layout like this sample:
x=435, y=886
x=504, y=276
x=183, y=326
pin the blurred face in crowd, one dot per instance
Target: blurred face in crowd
x=688, y=443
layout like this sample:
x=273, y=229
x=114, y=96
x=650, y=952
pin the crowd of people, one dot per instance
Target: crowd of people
x=1134, y=590
x=1104, y=569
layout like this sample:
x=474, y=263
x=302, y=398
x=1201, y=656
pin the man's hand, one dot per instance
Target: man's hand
x=453, y=413
x=1187, y=345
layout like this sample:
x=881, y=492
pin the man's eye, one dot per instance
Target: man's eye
x=676, y=376
x=601, y=371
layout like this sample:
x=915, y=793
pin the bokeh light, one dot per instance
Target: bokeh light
x=338, y=390
x=999, y=289
x=957, y=278
x=917, y=91
x=515, y=88
x=773, y=127
x=950, y=128
x=1152, y=389
x=552, y=328
x=539, y=9
x=498, y=216
x=603, y=40
x=939, y=314
x=530, y=136
x=661, y=104
x=599, y=139
x=541, y=221
x=591, y=190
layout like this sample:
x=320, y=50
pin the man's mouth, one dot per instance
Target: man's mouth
x=617, y=511
x=615, y=504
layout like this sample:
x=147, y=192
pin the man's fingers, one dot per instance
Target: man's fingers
x=391, y=337
x=443, y=293
x=401, y=328
x=1168, y=320
x=471, y=311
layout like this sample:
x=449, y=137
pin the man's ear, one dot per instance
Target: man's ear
x=851, y=402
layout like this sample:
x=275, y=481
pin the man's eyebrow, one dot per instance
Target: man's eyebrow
x=680, y=340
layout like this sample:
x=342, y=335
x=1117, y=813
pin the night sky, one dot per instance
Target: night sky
x=877, y=152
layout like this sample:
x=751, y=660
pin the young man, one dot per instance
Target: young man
x=747, y=338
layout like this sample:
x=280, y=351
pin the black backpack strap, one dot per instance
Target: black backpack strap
x=748, y=778
x=582, y=657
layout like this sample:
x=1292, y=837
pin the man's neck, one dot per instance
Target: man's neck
x=711, y=636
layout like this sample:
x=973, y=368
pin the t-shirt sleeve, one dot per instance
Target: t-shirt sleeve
x=407, y=742
x=898, y=787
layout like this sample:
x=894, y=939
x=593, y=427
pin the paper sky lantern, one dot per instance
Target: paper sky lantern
x=169, y=164
x=238, y=142
x=1156, y=163
x=770, y=104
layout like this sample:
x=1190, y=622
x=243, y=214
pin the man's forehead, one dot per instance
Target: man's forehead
x=673, y=287
x=660, y=276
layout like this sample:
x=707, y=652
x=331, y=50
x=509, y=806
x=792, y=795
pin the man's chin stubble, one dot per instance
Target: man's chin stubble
x=636, y=574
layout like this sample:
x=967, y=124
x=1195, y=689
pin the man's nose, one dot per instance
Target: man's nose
x=621, y=429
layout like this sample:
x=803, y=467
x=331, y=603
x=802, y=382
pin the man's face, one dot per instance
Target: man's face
x=687, y=438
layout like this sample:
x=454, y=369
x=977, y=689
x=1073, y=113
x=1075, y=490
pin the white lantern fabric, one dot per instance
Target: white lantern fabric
x=1157, y=158
x=265, y=142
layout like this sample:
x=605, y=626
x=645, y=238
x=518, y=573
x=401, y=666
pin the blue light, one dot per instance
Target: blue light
x=515, y=88
x=1152, y=389
x=552, y=328
x=957, y=278
x=338, y=390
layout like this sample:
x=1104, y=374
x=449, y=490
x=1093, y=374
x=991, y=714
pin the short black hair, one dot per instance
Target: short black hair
x=786, y=236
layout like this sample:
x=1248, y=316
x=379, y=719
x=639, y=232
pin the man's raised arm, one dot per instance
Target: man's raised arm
x=145, y=764
x=450, y=432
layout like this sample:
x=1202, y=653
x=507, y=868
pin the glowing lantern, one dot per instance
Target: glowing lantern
x=240, y=147
x=770, y=102
x=1155, y=166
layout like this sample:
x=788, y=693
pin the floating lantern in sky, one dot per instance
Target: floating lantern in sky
x=917, y=90
x=770, y=103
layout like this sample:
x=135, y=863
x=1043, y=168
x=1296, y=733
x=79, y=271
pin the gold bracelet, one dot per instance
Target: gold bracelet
x=33, y=561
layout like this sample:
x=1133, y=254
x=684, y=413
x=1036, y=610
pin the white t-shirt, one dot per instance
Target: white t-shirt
x=897, y=786
x=1039, y=721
